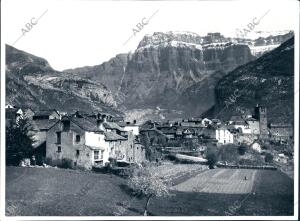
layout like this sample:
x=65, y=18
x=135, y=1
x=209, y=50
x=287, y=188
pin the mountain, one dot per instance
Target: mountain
x=164, y=67
x=268, y=81
x=169, y=75
x=177, y=71
x=31, y=82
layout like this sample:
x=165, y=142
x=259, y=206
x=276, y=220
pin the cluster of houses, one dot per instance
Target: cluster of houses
x=248, y=129
x=90, y=139
x=85, y=140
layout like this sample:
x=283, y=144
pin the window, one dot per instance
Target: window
x=58, y=137
x=77, y=138
x=96, y=155
x=59, y=149
x=77, y=153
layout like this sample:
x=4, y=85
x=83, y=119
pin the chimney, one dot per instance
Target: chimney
x=104, y=118
x=99, y=123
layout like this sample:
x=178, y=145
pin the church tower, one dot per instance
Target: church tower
x=261, y=116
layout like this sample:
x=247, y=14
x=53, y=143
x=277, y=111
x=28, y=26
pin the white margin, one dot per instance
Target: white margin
x=296, y=152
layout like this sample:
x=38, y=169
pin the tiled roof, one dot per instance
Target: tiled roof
x=251, y=119
x=124, y=124
x=111, y=136
x=154, y=129
x=112, y=125
x=86, y=124
x=44, y=112
x=236, y=118
x=42, y=124
x=240, y=123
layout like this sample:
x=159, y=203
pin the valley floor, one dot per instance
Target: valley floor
x=218, y=192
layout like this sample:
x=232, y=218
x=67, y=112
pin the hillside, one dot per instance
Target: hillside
x=31, y=82
x=169, y=75
x=267, y=81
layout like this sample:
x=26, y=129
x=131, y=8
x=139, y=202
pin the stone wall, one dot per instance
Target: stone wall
x=69, y=147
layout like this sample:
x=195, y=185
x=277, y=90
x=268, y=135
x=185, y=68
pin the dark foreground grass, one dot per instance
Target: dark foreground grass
x=59, y=192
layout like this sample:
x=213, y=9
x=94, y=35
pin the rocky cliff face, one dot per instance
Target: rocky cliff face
x=177, y=71
x=169, y=74
x=268, y=81
x=30, y=81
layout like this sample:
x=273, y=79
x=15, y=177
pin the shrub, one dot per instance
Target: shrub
x=228, y=153
x=66, y=164
x=19, y=142
x=212, y=157
x=242, y=149
x=269, y=158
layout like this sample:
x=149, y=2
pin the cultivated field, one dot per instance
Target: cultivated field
x=173, y=172
x=226, y=181
x=61, y=192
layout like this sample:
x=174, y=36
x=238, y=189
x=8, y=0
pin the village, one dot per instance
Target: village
x=89, y=140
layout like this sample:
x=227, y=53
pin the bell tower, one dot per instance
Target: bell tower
x=261, y=116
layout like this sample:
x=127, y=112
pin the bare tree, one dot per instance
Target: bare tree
x=145, y=182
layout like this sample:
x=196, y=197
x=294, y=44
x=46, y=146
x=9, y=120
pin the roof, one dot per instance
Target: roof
x=94, y=147
x=236, y=118
x=168, y=130
x=112, y=125
x=251, y=119
x=239, y=123
x=111, y=136
x=280, y=125
x=154, y=129
x=46, y=124
x=45, y=112
x=124, y=124
x=85, y=124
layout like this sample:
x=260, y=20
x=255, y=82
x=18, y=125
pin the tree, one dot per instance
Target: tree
x=150, y=151
x=19, y=142
x=145, y=182
x=269, y=158
x=242, y=149
x=212, y=159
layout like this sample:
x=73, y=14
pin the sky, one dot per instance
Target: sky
x=76, y=33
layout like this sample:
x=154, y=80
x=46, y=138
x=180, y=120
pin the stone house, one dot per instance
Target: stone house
x=281, y=131
x=77, y=140
x=130, y=126
x=156, y=137
x=13, y=115
x=46, y=115
x=239, y=123
x=38, y=131
x=86, y=142
x=253, y=125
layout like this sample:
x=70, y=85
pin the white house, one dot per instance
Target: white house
x=224, y=136
x=130, y=127
x=256, y=146
x=206, y=122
